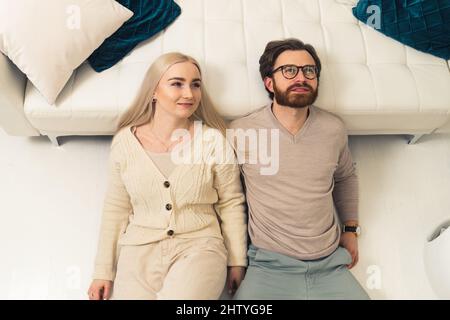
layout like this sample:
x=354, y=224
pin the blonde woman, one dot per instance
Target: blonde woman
x=170, y=230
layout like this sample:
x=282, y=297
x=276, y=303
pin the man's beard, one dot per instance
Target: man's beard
x=295, y=100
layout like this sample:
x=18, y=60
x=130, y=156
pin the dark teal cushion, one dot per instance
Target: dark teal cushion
x=421, y=24
x=150, y=17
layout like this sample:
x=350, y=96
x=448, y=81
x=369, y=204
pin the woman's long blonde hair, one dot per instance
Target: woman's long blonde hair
x=142, y=109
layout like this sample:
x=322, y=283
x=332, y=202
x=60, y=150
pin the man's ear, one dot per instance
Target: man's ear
x=268, y=82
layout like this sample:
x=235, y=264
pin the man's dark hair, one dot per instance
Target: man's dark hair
x=275, y=48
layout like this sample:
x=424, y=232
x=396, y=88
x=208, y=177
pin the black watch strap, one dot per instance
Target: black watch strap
x=349, y=228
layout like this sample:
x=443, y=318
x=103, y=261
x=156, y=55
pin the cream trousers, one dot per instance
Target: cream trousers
x=173, y=268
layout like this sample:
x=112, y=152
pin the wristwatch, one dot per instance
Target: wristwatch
x=354, y=229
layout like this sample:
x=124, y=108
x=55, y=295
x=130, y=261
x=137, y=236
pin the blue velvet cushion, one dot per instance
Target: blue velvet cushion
x=150, y=17
x=421, y=24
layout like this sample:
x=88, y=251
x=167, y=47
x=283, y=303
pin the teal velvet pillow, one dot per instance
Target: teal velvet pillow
x=150, y=17
x=421, y=24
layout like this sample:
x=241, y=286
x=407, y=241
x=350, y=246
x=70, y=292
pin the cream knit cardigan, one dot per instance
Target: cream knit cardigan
x=141, y=206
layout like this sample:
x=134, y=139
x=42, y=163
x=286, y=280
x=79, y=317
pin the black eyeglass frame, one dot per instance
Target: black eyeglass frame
x=316, y=70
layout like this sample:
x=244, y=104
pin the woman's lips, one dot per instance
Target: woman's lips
x=186, y=105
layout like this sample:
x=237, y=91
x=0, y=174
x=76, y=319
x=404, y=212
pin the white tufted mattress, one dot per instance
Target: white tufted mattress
x=374, y=83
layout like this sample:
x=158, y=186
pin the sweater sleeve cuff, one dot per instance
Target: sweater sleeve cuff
x=348, y=216
x=237, y=262
x=104, y=273
x=238, y=258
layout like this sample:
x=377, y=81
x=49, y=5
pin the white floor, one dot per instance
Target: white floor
x=51, y=200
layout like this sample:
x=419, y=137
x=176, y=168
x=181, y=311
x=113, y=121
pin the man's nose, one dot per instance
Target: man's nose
x=300, y=77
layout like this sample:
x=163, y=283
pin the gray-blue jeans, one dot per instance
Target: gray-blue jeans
x=273, y=276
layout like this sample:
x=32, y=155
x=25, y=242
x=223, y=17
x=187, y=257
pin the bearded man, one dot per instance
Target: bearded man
x=303, y=220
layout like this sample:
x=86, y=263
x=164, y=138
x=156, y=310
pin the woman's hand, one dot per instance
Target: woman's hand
x=100, y=290
x=235, y=277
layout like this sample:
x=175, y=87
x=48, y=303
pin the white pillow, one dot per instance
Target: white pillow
x=48, y=39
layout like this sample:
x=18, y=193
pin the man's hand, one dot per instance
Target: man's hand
x=350, y=242
x=235, y=277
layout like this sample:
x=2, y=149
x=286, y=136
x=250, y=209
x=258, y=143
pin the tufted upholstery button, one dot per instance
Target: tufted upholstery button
x=168, y=206
x=170, y=232
x=166, y=184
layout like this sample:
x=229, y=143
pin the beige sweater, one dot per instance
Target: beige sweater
x=197, y=200
x=295, y=211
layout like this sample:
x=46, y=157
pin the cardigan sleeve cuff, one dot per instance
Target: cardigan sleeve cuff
x=103, y=272
x=241, y=262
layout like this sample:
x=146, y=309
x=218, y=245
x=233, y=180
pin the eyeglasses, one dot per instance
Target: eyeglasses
x=290, y=71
